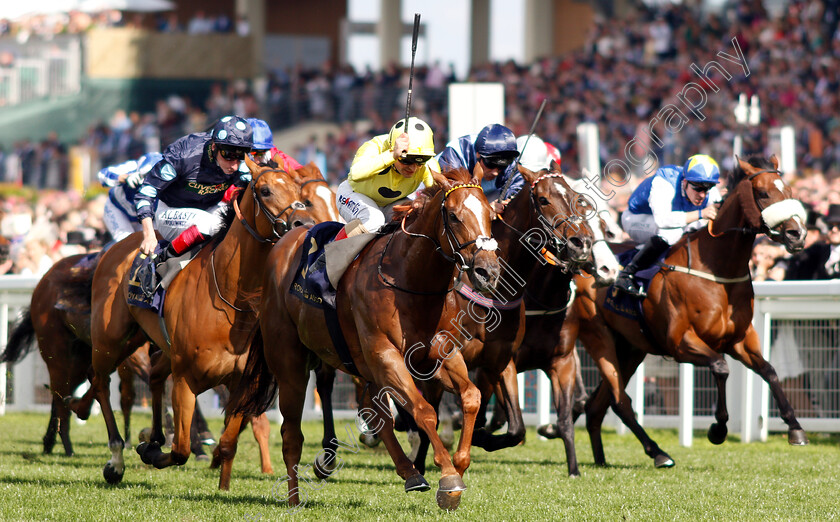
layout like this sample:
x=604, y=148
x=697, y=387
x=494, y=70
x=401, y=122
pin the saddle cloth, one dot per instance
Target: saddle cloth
x=148, y=282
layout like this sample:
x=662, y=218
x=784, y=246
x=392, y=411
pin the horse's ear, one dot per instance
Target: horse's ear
x=746, y=167
x=555, y=167
x=477, y=173
x=775, y=162
x=253, y=167
x=529, y=175
x=441, y=180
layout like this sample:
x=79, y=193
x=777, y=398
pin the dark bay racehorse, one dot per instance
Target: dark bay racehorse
x=209, y=315
x=391, y=303
x=543, y=225
x=699, y=306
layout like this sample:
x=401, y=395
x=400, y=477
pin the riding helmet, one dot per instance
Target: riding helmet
x=421, y=139
x=263, y=139
x=496, y=140
x=233, y=131
x=701, y=168
x=534, y=157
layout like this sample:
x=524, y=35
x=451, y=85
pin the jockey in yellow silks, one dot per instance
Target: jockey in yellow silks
x=385, y=170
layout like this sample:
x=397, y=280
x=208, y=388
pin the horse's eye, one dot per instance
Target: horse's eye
x=307, y=203
x=265, y=192
x=453, y=217
x=762, y=194
x=543, y=200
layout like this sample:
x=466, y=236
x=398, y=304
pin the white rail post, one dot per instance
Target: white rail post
x=686, y=404
x=4, y=338
x=543, y=400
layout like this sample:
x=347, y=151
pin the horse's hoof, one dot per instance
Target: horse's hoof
x=417, y=483
x=323, y=468
x=371, y=441
x=145, y=435
x=112, y=476
x=148, y=451
x=549, y=431
x=663, y=460
x=448, y=500
x=717, y=433
x=216, y=462
x=797, y=438
x=202, y=458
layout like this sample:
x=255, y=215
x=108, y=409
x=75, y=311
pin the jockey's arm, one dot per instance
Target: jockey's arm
x=370, y=160
x=147, y=246
x=660, y=201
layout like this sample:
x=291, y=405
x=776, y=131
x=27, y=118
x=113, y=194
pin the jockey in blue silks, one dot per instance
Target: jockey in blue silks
x=120, y=216
x=494, y=147
x=663, y=207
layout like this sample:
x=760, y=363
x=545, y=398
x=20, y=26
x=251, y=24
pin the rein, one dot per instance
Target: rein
x=450, y=236
x=216, y=283
x=545, y=310
x=272, y=218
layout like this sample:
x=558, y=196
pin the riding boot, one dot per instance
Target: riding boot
x=353, y=228
x=185, y=240
x=645, y=257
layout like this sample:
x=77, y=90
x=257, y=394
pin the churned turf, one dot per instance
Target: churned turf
x=759, y=481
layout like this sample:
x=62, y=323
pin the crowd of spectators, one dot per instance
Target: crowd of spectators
x=793, y=68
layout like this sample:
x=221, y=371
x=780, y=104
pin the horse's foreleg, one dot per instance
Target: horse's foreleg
x=392, y=374
x=115, y=467
x=183, y=405
x=262, y=429
x=694, y=350
x=227, y=447
x=433, y=394
x=749, y=353
x=63, y=415
x=562, y=376
x=324, y=382
x=127, y=396
x=161, y=368
x=52, y=427
x=510, y=399
x=383, y=424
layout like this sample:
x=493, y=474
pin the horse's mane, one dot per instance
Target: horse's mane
x=458, y=176
x=741, y=188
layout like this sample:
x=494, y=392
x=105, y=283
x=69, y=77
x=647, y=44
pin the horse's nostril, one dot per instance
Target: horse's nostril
x=482, y=273
x=577, y=243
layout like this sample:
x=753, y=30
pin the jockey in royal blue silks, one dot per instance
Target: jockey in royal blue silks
x=663, y=207
x=186, y=193
x=494, y=147
x=120, y=215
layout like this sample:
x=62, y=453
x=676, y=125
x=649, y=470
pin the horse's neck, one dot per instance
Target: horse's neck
x=519, y=256
x=727, y=248
x=421, y=265
x=239, y=257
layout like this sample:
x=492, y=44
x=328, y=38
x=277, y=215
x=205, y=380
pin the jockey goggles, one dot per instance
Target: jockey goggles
x=497, y=162
x=232, y=153
x=414, y=160
x=260, y=155
x=701, y=187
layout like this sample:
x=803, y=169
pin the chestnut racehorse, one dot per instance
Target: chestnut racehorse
x=209, y=315
x=391, y=303
x=700, y=303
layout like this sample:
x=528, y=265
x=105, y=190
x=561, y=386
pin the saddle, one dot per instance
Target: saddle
x=149, y=280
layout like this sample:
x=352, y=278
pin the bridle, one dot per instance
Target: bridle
x=274, y=219
x=483, y=243
x=552, y=254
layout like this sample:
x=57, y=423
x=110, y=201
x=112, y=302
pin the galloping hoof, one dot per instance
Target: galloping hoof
x=371, y=441
x=148, y=451
x=417, y=483
x=217, y=459
x=449, y=491
x=112, y=476
x=549, y=431
x=663, y=460
x=325, y=464
x=717, y=433
x=797, y=438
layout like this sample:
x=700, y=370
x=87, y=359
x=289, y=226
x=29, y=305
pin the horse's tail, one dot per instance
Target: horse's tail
x=257, y=390
x=21, y=340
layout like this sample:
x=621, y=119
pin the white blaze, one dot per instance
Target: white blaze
x=474, y=205
x=327, y=195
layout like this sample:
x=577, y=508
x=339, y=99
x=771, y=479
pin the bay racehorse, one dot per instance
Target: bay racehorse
x=391, y=304
x=209, y=316
x=544, y=224
x=699, y=306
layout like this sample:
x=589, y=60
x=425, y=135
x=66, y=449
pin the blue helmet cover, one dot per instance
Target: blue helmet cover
x=263, y=140
x=496, y=139
x=701, y=168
